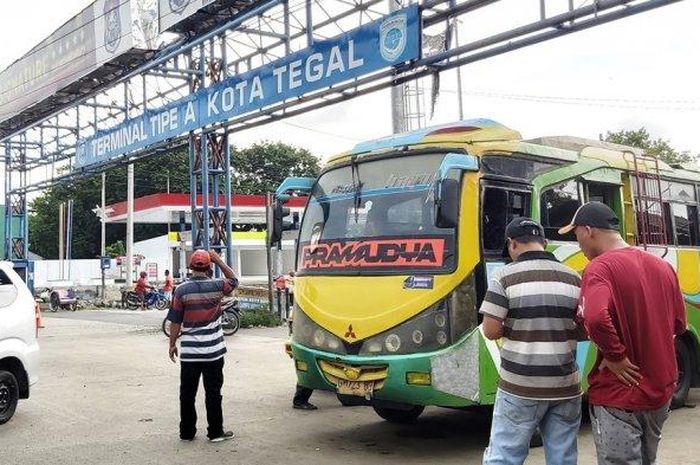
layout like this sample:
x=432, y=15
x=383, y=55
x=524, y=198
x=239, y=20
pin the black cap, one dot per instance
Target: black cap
x=595, y=215
x=522, y=227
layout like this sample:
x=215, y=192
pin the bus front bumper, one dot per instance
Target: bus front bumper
x=462, y=375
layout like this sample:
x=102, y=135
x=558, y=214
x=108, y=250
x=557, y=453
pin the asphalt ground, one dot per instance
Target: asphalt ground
x=108, y=394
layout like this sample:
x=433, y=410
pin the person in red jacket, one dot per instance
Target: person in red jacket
x=142, y=287
x=632, y=308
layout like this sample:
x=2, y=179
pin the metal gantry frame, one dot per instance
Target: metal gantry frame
x=42, y=153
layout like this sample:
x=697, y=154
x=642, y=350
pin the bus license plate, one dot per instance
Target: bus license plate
x=355, y=388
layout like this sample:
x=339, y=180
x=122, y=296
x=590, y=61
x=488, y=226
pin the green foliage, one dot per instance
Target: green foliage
x=259, y=317
x=117, y=249
x=659, y=148
x=263, y=166
x=150, y=177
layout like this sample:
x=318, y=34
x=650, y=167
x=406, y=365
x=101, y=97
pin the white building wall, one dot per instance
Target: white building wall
x=156, y=250
x=249, y=258
x=47, y=273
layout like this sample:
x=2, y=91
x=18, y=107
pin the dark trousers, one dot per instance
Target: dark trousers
x=302, y=395
x=213, y=376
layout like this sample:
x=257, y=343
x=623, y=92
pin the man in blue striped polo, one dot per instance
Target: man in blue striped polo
x=195, y=315
x=531, y=303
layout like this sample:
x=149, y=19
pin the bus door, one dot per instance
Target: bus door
x=500, y=203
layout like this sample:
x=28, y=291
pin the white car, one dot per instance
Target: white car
x=19, y=349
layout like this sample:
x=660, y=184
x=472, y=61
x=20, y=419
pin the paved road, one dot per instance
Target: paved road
x=108, y=395
x=125, y=317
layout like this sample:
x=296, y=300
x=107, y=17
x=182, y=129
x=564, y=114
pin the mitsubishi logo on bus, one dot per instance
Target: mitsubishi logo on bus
x=350, y=334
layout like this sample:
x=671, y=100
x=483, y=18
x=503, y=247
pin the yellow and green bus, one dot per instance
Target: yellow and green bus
x=400, y=234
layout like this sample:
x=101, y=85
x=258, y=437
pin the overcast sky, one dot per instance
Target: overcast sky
x=640, y=71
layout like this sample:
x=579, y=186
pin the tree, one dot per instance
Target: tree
x=659, y=147
x=150, y=177
x=117, y=249
x=263, y=166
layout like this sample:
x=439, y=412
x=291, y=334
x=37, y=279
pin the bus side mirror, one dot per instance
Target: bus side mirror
x=446, y=203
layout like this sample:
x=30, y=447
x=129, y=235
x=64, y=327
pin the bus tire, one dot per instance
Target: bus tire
x=685, y=374
x=393, y=415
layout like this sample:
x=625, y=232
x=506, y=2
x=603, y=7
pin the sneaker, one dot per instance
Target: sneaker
x=224, y=437
x=305, y=406
x=187, y=439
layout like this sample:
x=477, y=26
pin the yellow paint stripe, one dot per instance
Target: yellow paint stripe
x=688, y=271
x=577, y=261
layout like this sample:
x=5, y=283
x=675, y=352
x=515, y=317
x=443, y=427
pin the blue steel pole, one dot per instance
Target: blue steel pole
x=309, y=25
x=227, y=164
x=229, y=202
x=25, y=213
x=8, y=202
x=193, y=190
x=204, y=174
x=205, y=191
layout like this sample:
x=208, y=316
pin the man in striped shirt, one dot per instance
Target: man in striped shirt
x=531, y=304
x=195, y=315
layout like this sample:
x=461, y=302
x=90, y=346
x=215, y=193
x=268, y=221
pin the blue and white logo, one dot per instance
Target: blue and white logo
x=113, y=25
x=392, y=37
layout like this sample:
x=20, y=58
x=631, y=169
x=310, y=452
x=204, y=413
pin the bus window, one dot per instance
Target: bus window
x=499, y=207
x=604, y=193
x=514, y=167
x=557, y=207
x=685, y=225
x=680, y=214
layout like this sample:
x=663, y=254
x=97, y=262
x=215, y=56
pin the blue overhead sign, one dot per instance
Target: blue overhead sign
x=387, y=42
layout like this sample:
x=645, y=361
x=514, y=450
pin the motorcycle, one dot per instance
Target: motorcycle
x=230, y=319
x=155, y=299
x=65, y=299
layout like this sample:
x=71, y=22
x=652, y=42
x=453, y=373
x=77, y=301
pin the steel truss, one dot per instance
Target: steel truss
x=43, y=153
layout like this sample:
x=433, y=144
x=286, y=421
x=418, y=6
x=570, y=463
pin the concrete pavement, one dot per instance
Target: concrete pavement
x=108, y=394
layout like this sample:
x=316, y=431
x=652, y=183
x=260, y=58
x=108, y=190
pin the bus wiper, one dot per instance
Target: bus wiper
x=357, y=188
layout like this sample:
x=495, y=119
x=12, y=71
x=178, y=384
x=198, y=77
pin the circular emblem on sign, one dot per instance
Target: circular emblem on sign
x=392, y=37
x=352, y=373
x=112, y=25
x=178, y=6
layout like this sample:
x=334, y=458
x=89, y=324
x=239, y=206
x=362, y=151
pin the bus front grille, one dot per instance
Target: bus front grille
x=333, y=371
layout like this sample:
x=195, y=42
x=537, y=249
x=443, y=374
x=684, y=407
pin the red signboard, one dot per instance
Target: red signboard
x=383, y=253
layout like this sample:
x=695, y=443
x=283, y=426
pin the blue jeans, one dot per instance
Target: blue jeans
x=515, y=420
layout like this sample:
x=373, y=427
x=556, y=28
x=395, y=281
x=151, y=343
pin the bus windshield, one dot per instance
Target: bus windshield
x=376, y=217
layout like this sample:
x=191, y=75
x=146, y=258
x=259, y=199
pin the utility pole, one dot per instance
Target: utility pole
x=61, y=244
x=460, y=97
x=268, y=247
x=130, y=225
x=69, y=235
x=103, y=231
x=398, y=110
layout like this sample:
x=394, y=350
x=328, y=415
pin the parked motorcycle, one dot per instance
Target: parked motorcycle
x=230, y=319
x=154, y=299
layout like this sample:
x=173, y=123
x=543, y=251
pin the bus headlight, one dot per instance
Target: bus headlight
x=309, y=334
x=433, y=329
x=392, y=343
x=417, y=337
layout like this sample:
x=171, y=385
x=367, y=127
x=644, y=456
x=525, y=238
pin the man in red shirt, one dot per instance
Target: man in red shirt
x=141, y=287
x=632, y=307
x=168, y=286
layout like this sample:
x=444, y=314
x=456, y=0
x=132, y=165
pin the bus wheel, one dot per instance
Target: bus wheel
x=393, y=415
x=685, y=374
